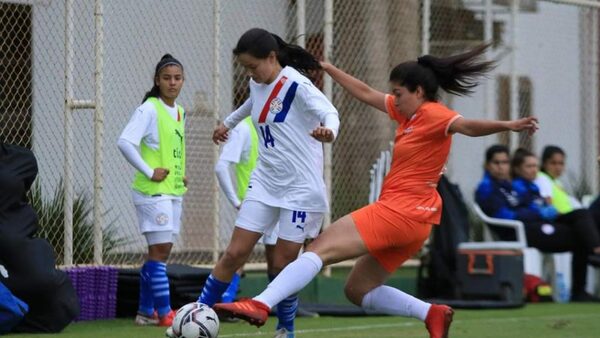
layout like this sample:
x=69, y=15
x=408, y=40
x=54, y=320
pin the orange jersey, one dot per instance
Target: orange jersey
x=421, y=148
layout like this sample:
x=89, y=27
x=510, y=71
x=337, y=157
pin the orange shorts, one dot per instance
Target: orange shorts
x=389, y=236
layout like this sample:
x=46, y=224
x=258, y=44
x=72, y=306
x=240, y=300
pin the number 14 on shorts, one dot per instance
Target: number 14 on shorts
x=299, y=217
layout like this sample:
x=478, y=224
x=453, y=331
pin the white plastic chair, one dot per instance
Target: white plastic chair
x=534, y=260
x=532, y=257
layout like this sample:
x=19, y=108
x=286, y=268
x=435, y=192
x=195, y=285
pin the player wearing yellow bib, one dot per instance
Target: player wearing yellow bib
x=157, y=128
x=551, y=189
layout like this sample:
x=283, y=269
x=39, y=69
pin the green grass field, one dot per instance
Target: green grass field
x=537, y=320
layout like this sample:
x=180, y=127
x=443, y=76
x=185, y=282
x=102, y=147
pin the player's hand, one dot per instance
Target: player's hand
x=220, y=134
x=159, y=174
x=530, y=124
x=185, y=181
x=322, y=134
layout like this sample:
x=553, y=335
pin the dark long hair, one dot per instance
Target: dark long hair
x=259, y=43
x=166, y=60
x=455, y=74
x=517, y=160
x=493, y=150
x=547, y=154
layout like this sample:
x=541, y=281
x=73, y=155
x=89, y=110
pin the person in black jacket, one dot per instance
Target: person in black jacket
x=29, y=269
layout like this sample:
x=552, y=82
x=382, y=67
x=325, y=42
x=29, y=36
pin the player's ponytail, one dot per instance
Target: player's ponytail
x=296, y=57
x=259, y=43
x=456, y=74
x=166, y=60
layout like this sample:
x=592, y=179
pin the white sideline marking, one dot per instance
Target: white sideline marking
x=407, y=324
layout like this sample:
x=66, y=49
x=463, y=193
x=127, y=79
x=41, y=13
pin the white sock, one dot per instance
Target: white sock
x=292, y=279
x=388, y=300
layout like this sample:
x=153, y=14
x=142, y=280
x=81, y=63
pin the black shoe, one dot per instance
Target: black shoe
x=584, y=297
x=594, y=260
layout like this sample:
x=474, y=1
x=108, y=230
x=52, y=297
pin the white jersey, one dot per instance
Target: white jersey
x=237, y=149
x=143, y=125
x=238, y=146
x=289, y=173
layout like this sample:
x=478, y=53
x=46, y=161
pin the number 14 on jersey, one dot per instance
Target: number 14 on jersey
x=267, y=137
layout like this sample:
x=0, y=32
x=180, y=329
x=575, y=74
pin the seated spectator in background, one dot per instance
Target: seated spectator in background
x=494, y=194
x=522, y=201
x=547, y=180
x=551, y=189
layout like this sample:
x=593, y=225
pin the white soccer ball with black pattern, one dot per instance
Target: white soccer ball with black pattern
x=195, y=320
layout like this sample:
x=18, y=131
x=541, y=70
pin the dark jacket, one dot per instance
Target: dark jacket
x=529, y=197
x=498, y=199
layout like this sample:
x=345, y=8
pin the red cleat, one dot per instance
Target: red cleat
x=438, y=321
x=167, y=320
x=250, y=310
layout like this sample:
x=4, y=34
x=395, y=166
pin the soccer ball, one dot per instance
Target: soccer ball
x=195, y=320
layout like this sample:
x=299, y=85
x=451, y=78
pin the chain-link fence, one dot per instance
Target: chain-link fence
x=72, y=72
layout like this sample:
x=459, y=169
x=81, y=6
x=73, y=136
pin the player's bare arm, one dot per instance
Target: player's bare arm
x=360, y=90
x=471, y=127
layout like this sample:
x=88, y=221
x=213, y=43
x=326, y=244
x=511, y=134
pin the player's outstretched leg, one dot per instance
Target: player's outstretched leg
x=250, y=310
x=438, y=320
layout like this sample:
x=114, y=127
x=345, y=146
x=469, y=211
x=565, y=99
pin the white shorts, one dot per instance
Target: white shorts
x=159, y=237
x=294, y=225
x=158, y=213
x=270, y=238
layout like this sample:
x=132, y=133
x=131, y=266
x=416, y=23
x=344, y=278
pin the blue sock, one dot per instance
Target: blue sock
x=160, y=287
x=231, y=292
x=286, y=313
x=212, y=291
x=286, y=310
x=146, y=303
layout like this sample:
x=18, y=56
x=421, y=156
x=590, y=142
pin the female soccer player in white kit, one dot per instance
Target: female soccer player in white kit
x=240, y=155
x=292, y=118
x=157, y=127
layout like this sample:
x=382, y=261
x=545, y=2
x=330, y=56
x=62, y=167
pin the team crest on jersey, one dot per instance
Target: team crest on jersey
x=276, y=106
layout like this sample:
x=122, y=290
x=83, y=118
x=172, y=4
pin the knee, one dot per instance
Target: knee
x=233, y=257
